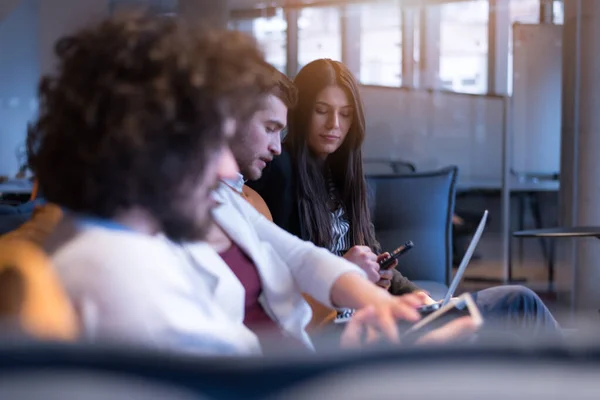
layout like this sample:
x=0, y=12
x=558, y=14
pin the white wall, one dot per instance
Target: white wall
x=61, y=17
x=28, y=33
x=6, y=6
x=435, y=129
x=536, y=108
x=18, y=79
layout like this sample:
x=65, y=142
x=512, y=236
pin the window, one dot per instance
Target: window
x=558, y=11
x=319, y=34
x=524, y=12
x=416, y=50
x=464, y=46
x=380, y=44
x=271, y=34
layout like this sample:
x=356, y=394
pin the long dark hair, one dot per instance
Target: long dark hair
x=345, y=163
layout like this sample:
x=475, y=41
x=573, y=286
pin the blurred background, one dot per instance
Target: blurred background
x=489, y=86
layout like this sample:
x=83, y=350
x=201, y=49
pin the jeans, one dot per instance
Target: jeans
x=512, y=315
x=516, y=310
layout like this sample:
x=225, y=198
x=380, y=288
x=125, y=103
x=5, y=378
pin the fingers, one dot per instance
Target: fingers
x=370, y=323
x=372, y=274
x=383, y=256
x=356, y=328
x=424, y=296
x=385, y=279
x=421, y=295
x=355, y=250
x=402, y=307
x=411, y=300
x=362, y=252
x=386, y=324
x=393, y=265
x=366, y=260
x=386, y=274
x=384, y=284
x=371, y=266
x=369, y=257
x=454, y=330
x=456, y=220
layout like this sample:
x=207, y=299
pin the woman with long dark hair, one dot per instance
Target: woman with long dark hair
x=326, y=132
x=316, y=190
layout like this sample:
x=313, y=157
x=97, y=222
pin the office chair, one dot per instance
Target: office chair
x=417, y=207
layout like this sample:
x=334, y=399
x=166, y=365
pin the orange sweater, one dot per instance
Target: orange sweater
x=31, y=294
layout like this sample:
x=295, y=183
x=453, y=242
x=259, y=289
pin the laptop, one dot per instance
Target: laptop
x=461, y=268
x=345, y=315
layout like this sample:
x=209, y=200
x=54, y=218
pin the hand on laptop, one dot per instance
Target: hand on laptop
x=424, y=297
x=366, y=328
x=378, y=321
x=459, y=328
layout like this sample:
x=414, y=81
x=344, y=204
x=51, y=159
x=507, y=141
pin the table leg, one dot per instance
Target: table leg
x=537, y=217
x=522, y=197
x=510, y=279
x=551, y=256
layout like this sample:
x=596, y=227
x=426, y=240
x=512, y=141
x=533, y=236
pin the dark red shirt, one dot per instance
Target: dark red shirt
x=255, y=317
x=243, y=267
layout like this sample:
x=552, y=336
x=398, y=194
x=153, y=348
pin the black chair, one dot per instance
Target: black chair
x=73, y=371
x=417, y=207
x=11, y=222
x=393, y=166
x=401, y=167
x=46, y=384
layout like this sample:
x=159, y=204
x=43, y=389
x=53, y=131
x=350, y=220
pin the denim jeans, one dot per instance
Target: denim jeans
x=518, y=310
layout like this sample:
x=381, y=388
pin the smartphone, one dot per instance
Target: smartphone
x=429, y=308
x=464, y=305
x=394, y=255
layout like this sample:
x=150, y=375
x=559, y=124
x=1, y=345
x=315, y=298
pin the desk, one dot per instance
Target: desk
x=566, y=232
x=526, y=190
x=16, y=186
x=15, y=191
x=516, y=185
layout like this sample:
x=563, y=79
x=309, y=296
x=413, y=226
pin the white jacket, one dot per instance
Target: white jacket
x=148, y=290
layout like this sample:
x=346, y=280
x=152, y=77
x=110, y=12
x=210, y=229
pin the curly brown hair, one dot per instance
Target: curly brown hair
x=135, y=109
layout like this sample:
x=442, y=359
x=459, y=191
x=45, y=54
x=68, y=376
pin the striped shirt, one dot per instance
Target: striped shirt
x=341, y=241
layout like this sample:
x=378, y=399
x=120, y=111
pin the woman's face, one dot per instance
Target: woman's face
x=331, y=119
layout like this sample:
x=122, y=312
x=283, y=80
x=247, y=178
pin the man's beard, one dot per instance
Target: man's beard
x=245, y=169
x=251, y=172
x=185, y=228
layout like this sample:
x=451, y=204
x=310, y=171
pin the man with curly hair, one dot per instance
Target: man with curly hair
x=131, y=141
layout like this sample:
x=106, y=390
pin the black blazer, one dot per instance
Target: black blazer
x=278, y=186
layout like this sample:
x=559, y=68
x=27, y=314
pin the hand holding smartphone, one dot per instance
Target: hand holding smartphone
x=387, y=263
